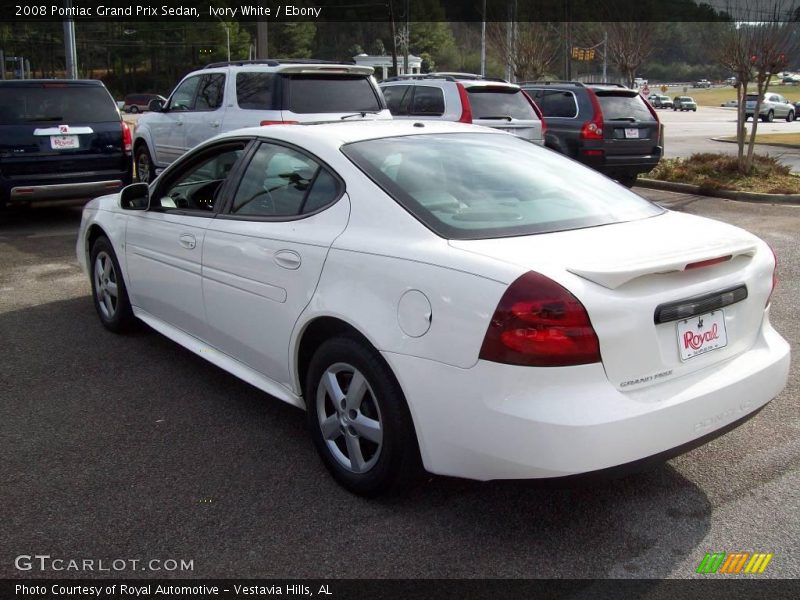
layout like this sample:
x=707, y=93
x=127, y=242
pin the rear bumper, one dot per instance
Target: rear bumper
x=496, y=421
x=62, y=187
x=621, y=164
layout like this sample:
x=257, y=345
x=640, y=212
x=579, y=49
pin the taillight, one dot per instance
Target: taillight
x=593, y=129
x=539, y=323
x=774, y=275
x=466, y=109
x=537, y=110
x=279, y=123
x=127, y=138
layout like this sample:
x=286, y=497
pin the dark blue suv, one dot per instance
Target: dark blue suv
x=60, y=140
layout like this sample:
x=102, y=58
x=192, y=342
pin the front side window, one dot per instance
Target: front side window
x=212, y=89
x=197, y=186
x=281, y=182
x=183, y=97
x=477, y=186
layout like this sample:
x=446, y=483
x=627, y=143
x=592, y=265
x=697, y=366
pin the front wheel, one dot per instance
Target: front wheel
x=627, y=180
x=108, y=288
x=133, y=109
x=359, y=419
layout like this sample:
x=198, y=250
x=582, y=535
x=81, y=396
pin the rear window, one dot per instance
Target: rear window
x=331, y=94
x=254, y=91
x=67, y=104
x=488, y=102
x=617, y=106
x=477, y=186
x=751, y=97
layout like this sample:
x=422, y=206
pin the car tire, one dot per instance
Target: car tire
x=770, y=117
x=145, y=169
x=109, y=292
x=367, y=441
x=790, y=116
x=628, y=180
x=133, y=109
x=694, y=110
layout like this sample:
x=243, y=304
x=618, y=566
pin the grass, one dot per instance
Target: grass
x=791, y=140
x=718, y=95
x=720, y=172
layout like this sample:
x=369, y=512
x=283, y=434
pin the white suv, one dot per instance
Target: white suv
x=226, y=96
x=772, y=106
x=465, y=98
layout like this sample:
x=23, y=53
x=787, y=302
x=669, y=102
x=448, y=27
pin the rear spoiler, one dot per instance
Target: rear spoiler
x=323, y=69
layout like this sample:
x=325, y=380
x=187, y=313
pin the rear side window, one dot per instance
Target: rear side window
x=281, y=182
x=558, y=103
x=331, y=94
x=489, y=102
x=255, y=91
x=56, y=103
x=212, y=89
x=616, y=106
x=428, y=101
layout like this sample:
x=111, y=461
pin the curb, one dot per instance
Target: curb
x=775, y=145
x=687, y=188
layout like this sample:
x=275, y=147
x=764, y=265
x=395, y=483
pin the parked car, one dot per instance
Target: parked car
x=227, y=96
x=730, y=104
x=772, y=106
x=731, y=81
x=605, y=126
x=684, y=103
x=659, y=101
x=465, y=98
x=136, y=103
x=471, y=303
x=796, y=110
x=703, y=83
x=60, y=140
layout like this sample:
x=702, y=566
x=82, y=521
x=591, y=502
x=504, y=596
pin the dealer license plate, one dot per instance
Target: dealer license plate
x=64, y=142
x=631, y=132
x=702, y=334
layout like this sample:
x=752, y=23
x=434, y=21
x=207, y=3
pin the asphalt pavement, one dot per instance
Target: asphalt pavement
x=130, y=447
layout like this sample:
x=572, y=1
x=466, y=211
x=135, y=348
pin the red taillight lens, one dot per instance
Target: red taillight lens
x=127, y=138
x=466, y=108
x=539, y=323
x=774, y=275
x=708, y=263
x=593, y=130
x=279, y=123
x=537, y=110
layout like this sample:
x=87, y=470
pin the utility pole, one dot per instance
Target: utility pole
x=262, y=39
x=483, y=41
x=509, y=42
x=394, y=37
x=2, y=65
x=69, y=43
x=605, y=56
x=408, y=35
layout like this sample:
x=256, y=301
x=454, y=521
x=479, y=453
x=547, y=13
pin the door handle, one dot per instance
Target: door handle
x=187, y=240
x=288, y=259
x=178, y=123
x=214, y=124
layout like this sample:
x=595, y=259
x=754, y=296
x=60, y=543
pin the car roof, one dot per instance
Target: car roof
x=45, y=82
x=297, y=66
x=335, y=135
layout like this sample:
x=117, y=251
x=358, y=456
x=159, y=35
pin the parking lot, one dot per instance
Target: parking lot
x=133, y=447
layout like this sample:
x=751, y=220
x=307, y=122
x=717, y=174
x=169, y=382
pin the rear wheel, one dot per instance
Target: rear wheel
x=790, y=116
x=133, y=109
x=108, y=288
x=769, y=118
x=359, y=419
x=145, y=170
x=627, y=180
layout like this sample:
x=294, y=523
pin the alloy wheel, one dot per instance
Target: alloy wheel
x=105, y=285
x=349, y=418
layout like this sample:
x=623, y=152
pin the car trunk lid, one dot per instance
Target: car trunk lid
x=667, y=295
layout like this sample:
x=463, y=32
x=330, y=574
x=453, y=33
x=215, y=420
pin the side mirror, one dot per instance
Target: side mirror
x=135, y=197
x=155, y=105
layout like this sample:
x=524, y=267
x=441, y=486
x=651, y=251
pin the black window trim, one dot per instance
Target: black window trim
x=225, y=208
x=167, y=178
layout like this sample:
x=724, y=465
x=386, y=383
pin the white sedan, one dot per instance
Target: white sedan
x=444, y=296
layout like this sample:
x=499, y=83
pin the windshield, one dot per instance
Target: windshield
x=476, y=186
x=488, y=102
x=56, y=103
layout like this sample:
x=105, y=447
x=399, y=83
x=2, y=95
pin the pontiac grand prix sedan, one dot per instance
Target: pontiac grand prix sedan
x=444, y=296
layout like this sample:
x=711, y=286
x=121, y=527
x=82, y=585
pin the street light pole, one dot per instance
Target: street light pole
x=69, y=43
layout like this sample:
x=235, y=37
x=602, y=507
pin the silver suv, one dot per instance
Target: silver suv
x=465, y=98
x=231, y=95
x=773, y=105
